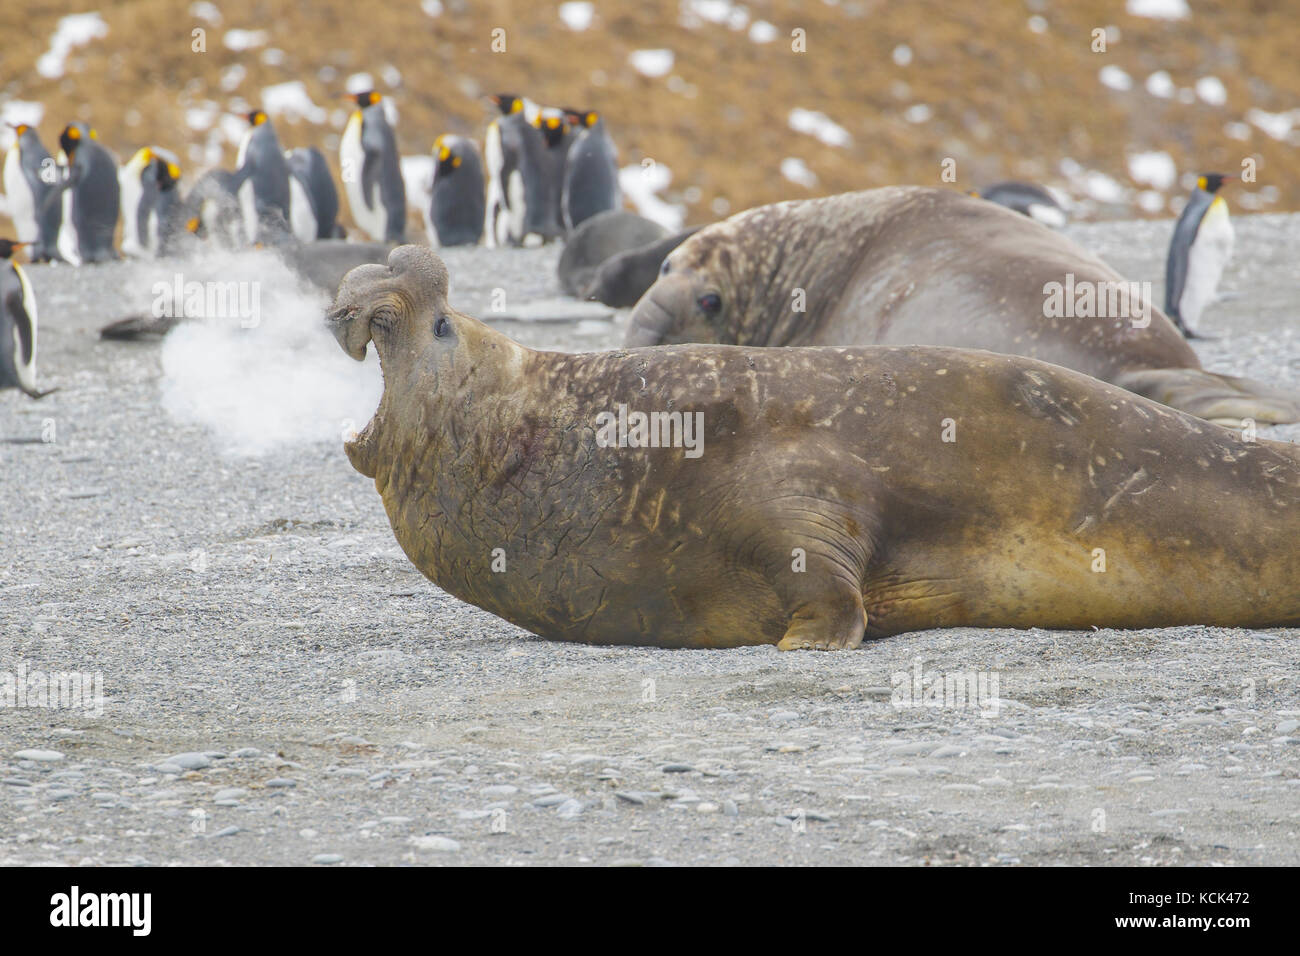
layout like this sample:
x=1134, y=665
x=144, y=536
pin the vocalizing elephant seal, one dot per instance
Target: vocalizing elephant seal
x=815, y=496
x=906, y=265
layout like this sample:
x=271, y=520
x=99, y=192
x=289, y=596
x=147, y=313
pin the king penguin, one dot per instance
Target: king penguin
x=211, y=210
x=30, y=174
x=590, y=170
x=150, y=202
x=261, y=181
x=89, y=194
x=1198, y=252
x=503, y=150
x=17, y=325
x=372, y=170
x=546, y=151
x=456, y=211
x=313, y=200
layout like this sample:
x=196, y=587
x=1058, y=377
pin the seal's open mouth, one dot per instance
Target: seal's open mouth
x=353, y=337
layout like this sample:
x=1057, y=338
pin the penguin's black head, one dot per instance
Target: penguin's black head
x=165, y=173
x=553, y=128
x=585, y=118
x=7, y=247
x=257, y=118
x=447, y=159
x=70, y=139
x=1211, y=182
x=507, y=103
x=364, y=98
x=19, y=128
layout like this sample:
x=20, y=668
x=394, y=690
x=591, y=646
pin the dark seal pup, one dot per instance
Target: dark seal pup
x=815, y=497
x=905, y=265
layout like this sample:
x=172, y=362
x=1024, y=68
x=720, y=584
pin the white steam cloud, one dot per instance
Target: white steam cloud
x=263, y=379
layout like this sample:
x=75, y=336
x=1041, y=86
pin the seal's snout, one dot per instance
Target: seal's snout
x=656, y=318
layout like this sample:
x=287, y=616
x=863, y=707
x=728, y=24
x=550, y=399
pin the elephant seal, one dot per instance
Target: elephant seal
x=596, y=239
x=622, y=279
x=814, y=498
x=906, y=265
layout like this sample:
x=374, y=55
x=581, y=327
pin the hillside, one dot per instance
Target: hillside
x=883, y=94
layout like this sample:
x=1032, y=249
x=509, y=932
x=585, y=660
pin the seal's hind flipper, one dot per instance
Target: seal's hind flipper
x=1223, y=399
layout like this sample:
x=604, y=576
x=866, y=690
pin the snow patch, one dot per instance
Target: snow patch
x=902, y=55
x=72, y=31
x=205, y=11
x=1115, y=78
x=240, y=40
x=291, y=101
x=1160, y=84
x=1158, y=9
x=1211, y=90
x=760, y=31
x=641, y=185
x=797, y=171
x=819, y=125
x=577, y=16
x=652, y=63
x=1154, y=168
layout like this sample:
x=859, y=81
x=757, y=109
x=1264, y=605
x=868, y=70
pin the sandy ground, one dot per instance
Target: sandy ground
x=281, y=686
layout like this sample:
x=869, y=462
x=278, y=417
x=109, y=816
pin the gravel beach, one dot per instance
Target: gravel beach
x=280, y=685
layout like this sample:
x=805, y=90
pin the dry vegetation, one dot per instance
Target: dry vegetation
x=1007, y=102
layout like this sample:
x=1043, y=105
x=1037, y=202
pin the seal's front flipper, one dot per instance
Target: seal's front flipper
x=1223, y=399
x=834, y=621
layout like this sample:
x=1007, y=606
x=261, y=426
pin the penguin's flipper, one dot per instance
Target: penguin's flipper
x=37, y=393
x=370, y=170
x=136, y=327
x=1223, y=399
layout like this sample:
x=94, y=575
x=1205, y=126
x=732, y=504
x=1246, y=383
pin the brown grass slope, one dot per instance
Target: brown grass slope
x=1007, y=102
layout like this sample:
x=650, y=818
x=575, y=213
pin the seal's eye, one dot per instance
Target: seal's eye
x=665, y=268
x=441, y=327
x=710, y=302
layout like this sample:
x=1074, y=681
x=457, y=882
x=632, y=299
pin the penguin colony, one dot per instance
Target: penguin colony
x=543, y=173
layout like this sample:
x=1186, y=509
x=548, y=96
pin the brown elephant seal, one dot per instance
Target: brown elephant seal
x=815, y=496
x=906, y=265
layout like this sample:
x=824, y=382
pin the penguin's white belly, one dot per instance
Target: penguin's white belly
x=248, y=210
x=26, y=371
x=1206, y=260
x=301, y=218
x=131, y=191
x=67, y=242
x=352, y=162
x=21, y=203
x=518, y=206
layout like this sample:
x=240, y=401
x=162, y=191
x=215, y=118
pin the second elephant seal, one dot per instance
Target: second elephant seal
x=906, y=265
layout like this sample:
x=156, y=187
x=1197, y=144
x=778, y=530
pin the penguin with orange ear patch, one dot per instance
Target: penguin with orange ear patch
x=590, y=170
x=456, y=212
x=17, y=325
x=261, y=181
x=90, y=196
x=372, y=170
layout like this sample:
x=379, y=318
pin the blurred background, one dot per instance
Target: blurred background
x=711, y=91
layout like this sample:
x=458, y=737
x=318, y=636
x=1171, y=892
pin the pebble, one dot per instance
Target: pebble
x=631, y=796
x=1288, y=727
x=438, y=844
x=327, y=859
x=230, y=793
x=40, y=756
x=499, y=790
x=784, y=717
x=551, y=800
x=281, y=782
x=730, y=808
x=570, y=809
x=61, y=794
x=677, y=768
x=229, y=831
x=190, y=761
